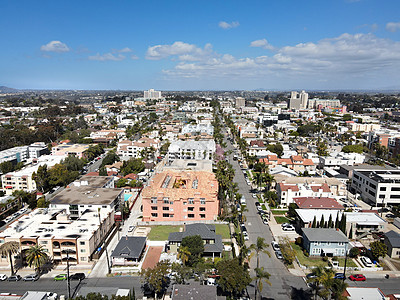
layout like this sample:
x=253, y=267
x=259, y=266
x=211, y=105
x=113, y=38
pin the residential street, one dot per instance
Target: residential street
x=283, y=283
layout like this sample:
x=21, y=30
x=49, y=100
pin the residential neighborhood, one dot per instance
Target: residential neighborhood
x=293, y=191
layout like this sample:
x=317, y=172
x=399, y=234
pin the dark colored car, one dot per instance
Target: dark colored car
x=77, y=276
x=357, y=277
x=14, y=278
x=339, y=276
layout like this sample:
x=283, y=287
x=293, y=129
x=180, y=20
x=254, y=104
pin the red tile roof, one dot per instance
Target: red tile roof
x=325, y=188
x=286, y=187
x=317, y=203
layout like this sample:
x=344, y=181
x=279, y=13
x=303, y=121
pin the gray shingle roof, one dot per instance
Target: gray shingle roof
x=194, y=292
x=324, y=235
x=129, y=247
x=394, y=238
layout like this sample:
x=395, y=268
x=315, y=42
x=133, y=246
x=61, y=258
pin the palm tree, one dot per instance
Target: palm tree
x=261, y=276
x=258, y=178
x=36, y=256
x=268, y=179
x=10, y=248
x=338, y=287
x=259, y=247
x=322, y=277
x=183, y=254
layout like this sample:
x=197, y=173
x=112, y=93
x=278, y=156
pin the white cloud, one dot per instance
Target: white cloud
x=107, y=57
x=133, y=56
x=392, y=26
x=334, y=59
x=262, y=44
x=184, y=51
x=123, y=50
x=55, y=46
x=226, y=25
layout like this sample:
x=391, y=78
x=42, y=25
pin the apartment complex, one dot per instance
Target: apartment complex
x=191, y=150
x=152, y=94
x=181, y=196
x=295, y=162
x=22, y=179
x=378, y=187
x=133, y=149
x=67, y=149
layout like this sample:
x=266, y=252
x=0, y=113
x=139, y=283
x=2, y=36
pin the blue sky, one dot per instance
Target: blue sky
x=200, y=45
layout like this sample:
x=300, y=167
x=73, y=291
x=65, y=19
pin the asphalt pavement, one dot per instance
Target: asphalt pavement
x=284, y=285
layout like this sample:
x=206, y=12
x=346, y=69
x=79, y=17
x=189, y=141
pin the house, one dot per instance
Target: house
x=288, y=192
x=191, y=150
x=181, y=196
x=194, y=291
x=392, y=241
x=317, y=203
x=66, y=149
x=324, y=241
x=364, y=293
x=136, y=149
x=294, y=162
x=213, y=246
x=128, y=251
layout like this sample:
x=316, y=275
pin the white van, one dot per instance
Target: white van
x=366, y=261
x=243, y=200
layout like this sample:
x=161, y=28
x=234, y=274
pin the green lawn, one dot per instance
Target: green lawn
x=264, y=207
x=161, y=232
x=223, y=230
x=279, y=212
x=307, y=261
x=281, y=220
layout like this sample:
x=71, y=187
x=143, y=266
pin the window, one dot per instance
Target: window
x=184, y=203
x=166, y=200
x=341, y=244
x=395, y=189
x=202, y=209
x=83, y=250
x=154, y=215
x=202, y=201
x=328, y=243
x=83, y=258
x=154, y=208
x=104, y=206
x=191, y=208
x=382, y=188
x=202, y=216
x=191, y=200
x=165, y=208
x=154, y=200
x=171, y=215
x=190, y=215
x=44, y=242
x=82, y=243
x=165, y=215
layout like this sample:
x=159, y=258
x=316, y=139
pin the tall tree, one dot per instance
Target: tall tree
x=183, y=254
x=234, y=277
x=260, y=247
x=261, y=276
x=8, y=249
x=378, y=249
x=36, y=256
x=41, y=178
x=156, y=278
x=195, y=246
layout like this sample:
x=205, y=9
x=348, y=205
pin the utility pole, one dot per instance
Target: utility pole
x=345, y=264
x=68, y=282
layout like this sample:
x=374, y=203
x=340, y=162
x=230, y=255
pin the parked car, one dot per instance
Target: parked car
x=275, y=246
x=357, y=277
x=285, y=224
x=3, y=277
x=366, y=261
x=14, y=278
x=264, y=220
x=339, y=276
x=390, y=216
x=77, y=276
x=245, y=236
x=288, y=228
x=60, y=277
x=31, y=277
x=130, y=229
x=278, y=254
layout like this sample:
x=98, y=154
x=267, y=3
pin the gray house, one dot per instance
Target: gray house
x=128, y=251
x=213, y=246
x=324, y=241
x=392, y=241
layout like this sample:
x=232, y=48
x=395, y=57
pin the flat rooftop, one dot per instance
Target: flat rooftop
x=47, y=223
x=190, y=164
x=49, y=160
x=86, y=195
x=93, y=181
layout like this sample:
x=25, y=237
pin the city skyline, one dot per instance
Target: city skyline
x=179, y=45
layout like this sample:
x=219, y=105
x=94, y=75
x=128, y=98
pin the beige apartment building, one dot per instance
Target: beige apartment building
x=77, y=222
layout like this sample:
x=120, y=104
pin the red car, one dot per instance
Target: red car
x=357, y=277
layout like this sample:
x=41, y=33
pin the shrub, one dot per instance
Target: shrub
x=299, y=241
x=354, y=252
x=325, y=258
x=305, y=253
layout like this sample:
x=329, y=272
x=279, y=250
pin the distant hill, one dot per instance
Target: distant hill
x=4, y=89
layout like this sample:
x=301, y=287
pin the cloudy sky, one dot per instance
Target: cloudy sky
x=200, y=44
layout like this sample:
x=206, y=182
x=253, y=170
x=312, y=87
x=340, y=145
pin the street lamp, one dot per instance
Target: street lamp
x=104, y=244
x=68, y=282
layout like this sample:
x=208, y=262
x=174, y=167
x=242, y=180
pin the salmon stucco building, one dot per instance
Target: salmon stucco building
x=181, y=196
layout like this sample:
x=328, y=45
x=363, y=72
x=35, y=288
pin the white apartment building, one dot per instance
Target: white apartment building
x=16, y=154
x=240, y=102
x=190, y=128
x=322, y=103
x=152, y=94
x=362, y=127
x=134, y=149
x=22, y=179
x=378, y=187
x=337, y=159
x=298, y=100
x=204, y=150
x=286, y=192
